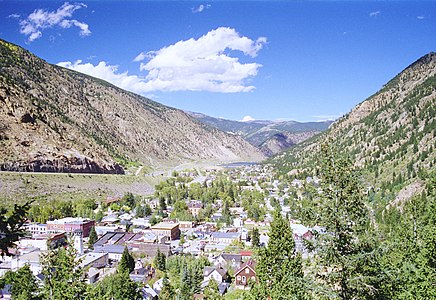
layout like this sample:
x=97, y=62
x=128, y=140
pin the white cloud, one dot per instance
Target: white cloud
x=247, y=119
x=14, y=16
x=200, y=8
x=192, y=65
x=140, y=57
x=374, y=14
x=40, y=19
x=420, y=17
x=322, y=118
x=203, y=64
x=109, y=73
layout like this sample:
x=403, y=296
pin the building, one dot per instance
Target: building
x=170, y=230
x=195, y=207
x=36, y=228
x=232, y=261
x=218, y=273
x=244, y=274
x=225, y=237
x=186, y=225
x=70, y=225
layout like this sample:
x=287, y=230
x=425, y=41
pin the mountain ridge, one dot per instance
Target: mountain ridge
x=391, y=135
x=271, y=137
x=58, y=120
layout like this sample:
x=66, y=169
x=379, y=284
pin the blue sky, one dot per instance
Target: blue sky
x=299, y=60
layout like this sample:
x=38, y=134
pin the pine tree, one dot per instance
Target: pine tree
x=160, y=261
x=127, y=262
x=255, y=237
x=279, y=269
x=24, y=286
x=11, y=226
x=92, y=238
x=117, y=286
x=348, y=255
x=211, y=291
x=63, y=278
x=167, y=292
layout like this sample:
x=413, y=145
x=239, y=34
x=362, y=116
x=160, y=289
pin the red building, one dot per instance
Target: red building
x=244, y=274
x=70, y=225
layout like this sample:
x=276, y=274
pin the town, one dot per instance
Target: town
x=215, y=219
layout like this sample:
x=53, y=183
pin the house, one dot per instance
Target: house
x=225, y=237
x=114, y=252
x=217, y=273
x=245, y=274
x=171, y=230
x=232, y=261
x=141, y=274
x=195, y=207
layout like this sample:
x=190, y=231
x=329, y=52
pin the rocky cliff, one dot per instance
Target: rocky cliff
x=57, y=120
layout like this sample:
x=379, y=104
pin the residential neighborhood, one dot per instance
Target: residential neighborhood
x=222, y=236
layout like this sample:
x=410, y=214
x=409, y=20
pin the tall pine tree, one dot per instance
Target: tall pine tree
x=127, y=262
x=279, y=269
x=348, y=255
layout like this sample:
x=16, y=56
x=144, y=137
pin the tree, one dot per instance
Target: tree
x=211, y=291
x=347, y=255
x=127, y=262
x=167, y=291
x=255, y=237
x=11, y=226
x=92, y=238
x=117, y=286
x=279, y=269
x=64, y=279
x=24, y=286
x=160, y=261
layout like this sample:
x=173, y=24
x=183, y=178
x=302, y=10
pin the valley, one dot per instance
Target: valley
x=117, y=190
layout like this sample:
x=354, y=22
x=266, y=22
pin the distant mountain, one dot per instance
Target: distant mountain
x=271, y=137
x=391, y=135
x=57, y=120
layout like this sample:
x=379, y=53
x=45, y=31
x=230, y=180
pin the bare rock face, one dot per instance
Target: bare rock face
x=57, y=120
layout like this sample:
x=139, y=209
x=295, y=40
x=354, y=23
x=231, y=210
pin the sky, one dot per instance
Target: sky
x=239, y=60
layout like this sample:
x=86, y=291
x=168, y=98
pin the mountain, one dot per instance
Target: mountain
x=271, y=137
x=391, y=135
x=56, y=120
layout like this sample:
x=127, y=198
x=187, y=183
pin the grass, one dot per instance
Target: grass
x=18, y=187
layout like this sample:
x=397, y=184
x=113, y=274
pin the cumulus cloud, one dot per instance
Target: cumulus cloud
x=109, y=73
x=40, y=19
x=203, y=64
x=374, y=14
x=200, y=8
x=191, y=65
x=420, y=17
x=247, y=119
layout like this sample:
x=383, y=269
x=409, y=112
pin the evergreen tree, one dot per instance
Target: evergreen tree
x=279, y=269
x=185, y=285
x=117, y=286
x=127, y=262
x=24, y=286
x=348, y=255
x=160, y=261
x=63, y=278
x=255, y=237
x=167, y=292
x=211, y=291
x=92, y=238
x=11, y=226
